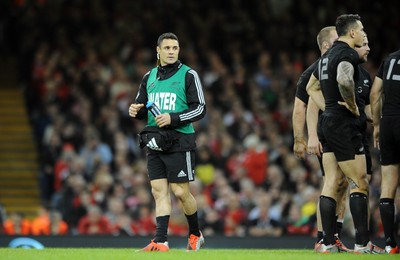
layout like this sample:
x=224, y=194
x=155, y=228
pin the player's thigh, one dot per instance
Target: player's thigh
x=356, y=172
x=332, y=173
x=390, y=180
x=159, y=188
x=180, y=166
x=156, y=168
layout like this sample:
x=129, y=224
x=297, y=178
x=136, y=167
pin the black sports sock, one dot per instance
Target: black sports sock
x=193, y=224
x=359, y=212
x=161, y=229
x=386, y=207
x=320, y=235
x=339, y=226
x=336, y=218
x=327, y=207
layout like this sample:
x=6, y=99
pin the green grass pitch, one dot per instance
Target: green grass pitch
x=174, y=254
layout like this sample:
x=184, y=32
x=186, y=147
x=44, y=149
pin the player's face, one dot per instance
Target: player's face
x=363, y=51
x=358, y=34
x=168, y=51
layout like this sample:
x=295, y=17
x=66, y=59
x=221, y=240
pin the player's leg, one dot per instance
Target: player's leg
x=389, y=139
x=390, y=180
x=355, y=171
x=342, y=200
x=327, y=202
x=161, y=194
x=180, y=173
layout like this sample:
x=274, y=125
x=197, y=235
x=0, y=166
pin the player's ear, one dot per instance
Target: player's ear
x=352, y=33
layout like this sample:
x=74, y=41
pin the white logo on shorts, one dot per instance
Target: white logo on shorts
x=182, y=174
x=152, y=144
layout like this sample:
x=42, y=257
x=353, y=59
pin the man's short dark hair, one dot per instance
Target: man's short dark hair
x=345, y=22
x=167, y=35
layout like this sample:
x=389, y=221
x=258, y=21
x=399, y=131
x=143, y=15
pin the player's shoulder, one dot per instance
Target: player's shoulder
x=345, y=52
x=395, y=55
x=312, y=67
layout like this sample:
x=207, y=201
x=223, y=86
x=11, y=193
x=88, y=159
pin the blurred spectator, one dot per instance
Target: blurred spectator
x=297, y=223
x=145, y=220
x=210, y=221
x=205, y=165
x=16, y=224
x=102, y=186
x=41, y=222
x=234, y=217
x=57, y=225
x=259, y=221
x=115, y=208
x=255, y=160
x=49, y=223
x=124, y=226
x=72, y=201
x=95, y=152
x=62, y=165
x=94, y=222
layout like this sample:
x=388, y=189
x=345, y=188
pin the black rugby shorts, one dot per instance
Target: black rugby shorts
x=177, y=167
x=341, y=136
x=389, y=140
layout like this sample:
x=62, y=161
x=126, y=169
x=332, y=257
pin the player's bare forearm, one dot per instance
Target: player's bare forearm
x=299, y=119
x=345, y=73
x=375, y=100
x=314, y=91
x=312, y=117
x=318, y=98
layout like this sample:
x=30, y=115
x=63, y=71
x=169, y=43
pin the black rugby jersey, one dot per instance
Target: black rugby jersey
x=389, y=72
x=363, y=88
x=326, y=73
x=301, y=91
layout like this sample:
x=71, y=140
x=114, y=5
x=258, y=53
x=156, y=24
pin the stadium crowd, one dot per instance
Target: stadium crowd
x=81, y=63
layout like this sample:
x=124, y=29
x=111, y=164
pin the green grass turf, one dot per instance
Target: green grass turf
x=175, y=254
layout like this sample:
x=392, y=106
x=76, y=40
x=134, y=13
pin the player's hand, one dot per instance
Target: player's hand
x=134, y=109
x=299, y=149
x=314, y=146
x=353, y=110
x=163, y=120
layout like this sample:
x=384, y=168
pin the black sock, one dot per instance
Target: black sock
x=161, y=229
x=320, y=236
x=339, y=226
x=327, y=207
x=359, y=212
x=193, y=224
x=336, y=218
x=386, y=207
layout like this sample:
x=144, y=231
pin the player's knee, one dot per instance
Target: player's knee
x=158, y=192
x=180, y=193
x=360, y=185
